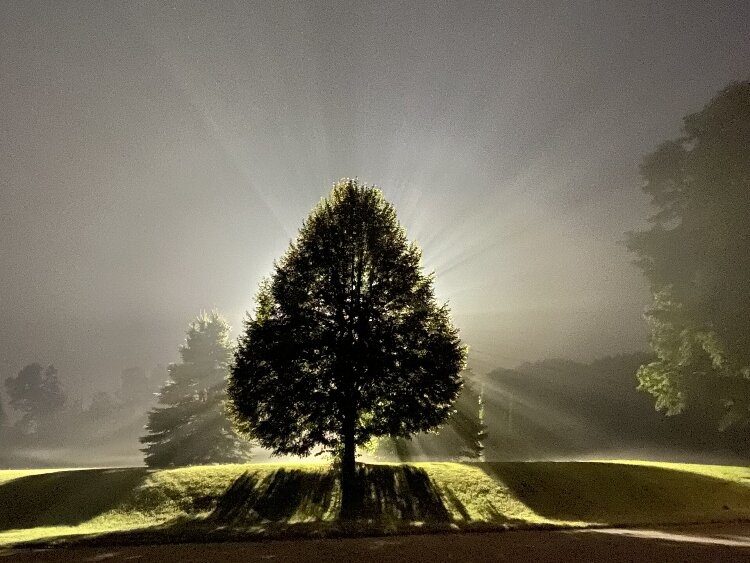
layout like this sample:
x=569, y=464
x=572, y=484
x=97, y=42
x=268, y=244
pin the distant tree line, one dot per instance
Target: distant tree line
x=41, y=416
x=541, y=410
x=562, y=408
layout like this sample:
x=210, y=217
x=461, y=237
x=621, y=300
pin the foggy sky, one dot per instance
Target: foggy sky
x=156, y=157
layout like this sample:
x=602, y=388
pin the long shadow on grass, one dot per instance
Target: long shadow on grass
x=385, y=493
x=614, y=493
x=275, y=497
x=64, y=498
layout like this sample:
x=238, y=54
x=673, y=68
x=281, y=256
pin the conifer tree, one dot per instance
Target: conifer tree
x=468, y=421
x=189, y=426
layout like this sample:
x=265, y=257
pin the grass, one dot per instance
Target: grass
x=221, y=502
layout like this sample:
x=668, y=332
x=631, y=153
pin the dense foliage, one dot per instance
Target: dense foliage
x=190, y=425
x=347, y=342
x=696, y=256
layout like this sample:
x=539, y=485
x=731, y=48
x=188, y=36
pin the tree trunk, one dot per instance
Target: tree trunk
x=349, y=474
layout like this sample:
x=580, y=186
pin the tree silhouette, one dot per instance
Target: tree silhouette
x=37, y=393
x=347, y=342
x=190, y=425
x=696, y=257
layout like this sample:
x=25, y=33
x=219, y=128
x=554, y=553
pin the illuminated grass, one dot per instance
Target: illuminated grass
x=283, y=500
x=10, y=474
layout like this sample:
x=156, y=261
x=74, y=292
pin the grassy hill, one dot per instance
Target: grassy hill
x=273, y=500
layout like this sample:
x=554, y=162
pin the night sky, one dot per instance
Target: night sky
x=155, y=158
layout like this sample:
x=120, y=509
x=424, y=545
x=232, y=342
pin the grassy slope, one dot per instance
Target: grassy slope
x=286, y=499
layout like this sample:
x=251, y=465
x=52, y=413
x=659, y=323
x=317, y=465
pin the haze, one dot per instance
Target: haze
x=155, y=159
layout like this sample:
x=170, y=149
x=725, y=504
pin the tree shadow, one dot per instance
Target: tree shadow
x=612, y=493
x=276, y=497
x=64, y=498
x=385, y=493
x=399, y=492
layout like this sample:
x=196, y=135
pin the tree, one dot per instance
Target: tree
x=696, y=257
x=348, y=341
x=468, y=421
x=461, y=437
x=37, y=393
x=190, y=425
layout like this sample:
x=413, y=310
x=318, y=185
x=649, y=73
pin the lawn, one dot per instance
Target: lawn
x=220, y=502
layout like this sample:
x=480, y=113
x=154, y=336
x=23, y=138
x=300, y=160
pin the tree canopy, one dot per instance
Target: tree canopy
x=37, y=393
x=696, y=257
x=190, y=425
x=348, y=341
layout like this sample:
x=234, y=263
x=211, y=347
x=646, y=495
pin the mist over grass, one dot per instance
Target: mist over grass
x=552, y=409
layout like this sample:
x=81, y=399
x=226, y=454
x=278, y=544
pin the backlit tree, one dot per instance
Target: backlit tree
x=348, y=341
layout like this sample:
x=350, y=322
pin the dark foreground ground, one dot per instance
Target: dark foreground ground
x=715, y=542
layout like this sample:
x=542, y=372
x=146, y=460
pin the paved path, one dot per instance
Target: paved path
x=720, y=542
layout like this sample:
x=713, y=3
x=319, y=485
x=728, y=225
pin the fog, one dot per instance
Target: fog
x=156, y=158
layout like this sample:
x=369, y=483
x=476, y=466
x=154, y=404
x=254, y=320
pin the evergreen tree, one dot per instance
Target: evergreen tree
x=468, y=421
x=347, y=342
x=189, y=426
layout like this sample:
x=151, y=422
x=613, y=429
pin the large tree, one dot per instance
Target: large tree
x=348, y=341
x=696, y=257
x=190, y=425
x=37, y=393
